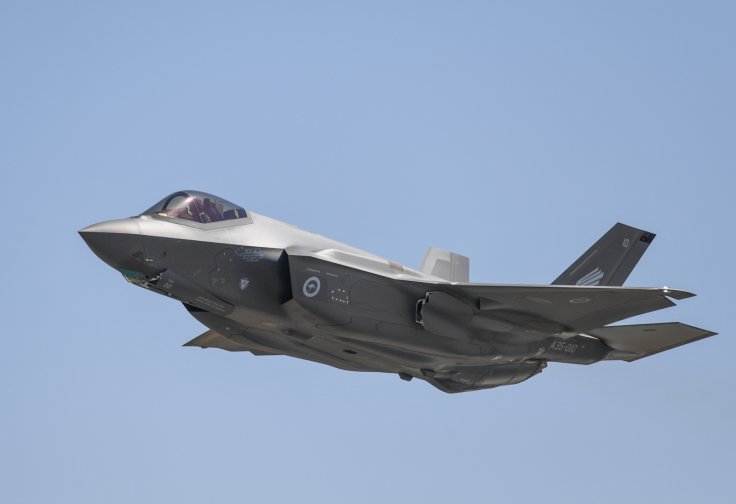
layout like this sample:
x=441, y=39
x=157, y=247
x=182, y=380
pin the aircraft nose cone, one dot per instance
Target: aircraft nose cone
x=125, y=226
x=117, y=242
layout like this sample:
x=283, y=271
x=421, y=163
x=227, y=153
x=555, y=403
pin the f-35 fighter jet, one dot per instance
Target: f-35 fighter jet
x=269, y=288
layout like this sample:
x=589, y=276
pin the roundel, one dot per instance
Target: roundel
x=311, y=287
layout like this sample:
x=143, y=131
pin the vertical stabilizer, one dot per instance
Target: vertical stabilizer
x=610, y=260
x=446, y=265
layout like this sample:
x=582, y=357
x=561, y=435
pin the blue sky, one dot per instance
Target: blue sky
x=512, y=132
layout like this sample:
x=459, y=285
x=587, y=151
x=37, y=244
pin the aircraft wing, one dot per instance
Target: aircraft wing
x=573, y=308
x=212, y=339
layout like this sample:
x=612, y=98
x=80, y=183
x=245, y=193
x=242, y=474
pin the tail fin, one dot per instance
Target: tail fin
x=446, y=265
x=610, y=260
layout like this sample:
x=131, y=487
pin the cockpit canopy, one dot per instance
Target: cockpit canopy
x=196, y=206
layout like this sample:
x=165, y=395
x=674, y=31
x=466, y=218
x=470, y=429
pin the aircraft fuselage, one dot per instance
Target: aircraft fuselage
x=270, y=288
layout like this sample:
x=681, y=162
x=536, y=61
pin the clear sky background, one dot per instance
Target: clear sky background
x=512, y=132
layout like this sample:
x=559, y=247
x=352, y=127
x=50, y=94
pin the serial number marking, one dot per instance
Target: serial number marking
x=562, y=346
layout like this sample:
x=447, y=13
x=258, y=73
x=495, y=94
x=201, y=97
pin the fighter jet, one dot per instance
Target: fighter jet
x=269, y=288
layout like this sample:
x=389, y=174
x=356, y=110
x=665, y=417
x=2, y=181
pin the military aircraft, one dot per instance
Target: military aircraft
x=270, y=288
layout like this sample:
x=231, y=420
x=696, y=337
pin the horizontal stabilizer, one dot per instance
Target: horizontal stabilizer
x=632, y=342
x=446, y=265
x=610, y=260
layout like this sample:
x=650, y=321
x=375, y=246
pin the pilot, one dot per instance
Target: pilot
x=181, y=213
x=210, y=210
x=195, y=208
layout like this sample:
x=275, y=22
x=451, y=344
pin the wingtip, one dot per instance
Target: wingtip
x=677, y=294
x=195, y=345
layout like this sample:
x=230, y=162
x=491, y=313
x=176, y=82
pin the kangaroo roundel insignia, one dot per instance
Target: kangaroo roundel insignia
x=311, y=287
